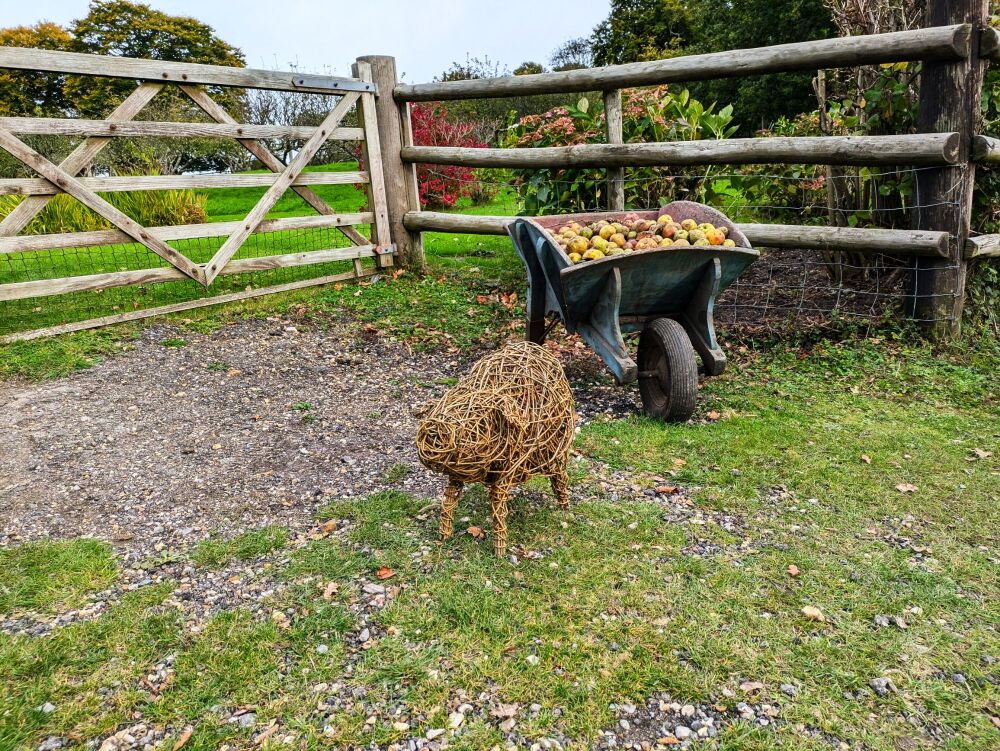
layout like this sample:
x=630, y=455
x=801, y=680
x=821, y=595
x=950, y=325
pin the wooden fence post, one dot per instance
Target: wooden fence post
x=616, y=175
x=950, y=95
x=400, y=179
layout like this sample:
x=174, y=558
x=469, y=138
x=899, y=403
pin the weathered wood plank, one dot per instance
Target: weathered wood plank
x=388, y=123
x=79, y=158
x=915, y=149
x=372, y=149
x=29, y=186
x=214, y=110
x=49, y=126
x=135, y=315
x=283, y=182
x=983, y=246
x=97, y=282
x=162, y=71
x=989, y=43
x=66, y=182
x=940, y=43
x=29, y=243
x=791, y=236
x=616, y=175
x=950, y=97
x=986, y=149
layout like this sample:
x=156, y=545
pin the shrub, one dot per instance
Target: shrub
x=654, y=114
x=150, y=208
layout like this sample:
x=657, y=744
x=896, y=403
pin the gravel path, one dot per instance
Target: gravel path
x=258, y=423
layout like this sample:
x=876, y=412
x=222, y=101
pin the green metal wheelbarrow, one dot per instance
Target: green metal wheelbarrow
x=668, y=294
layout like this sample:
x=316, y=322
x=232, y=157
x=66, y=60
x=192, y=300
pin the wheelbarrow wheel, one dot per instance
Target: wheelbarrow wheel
x=668, y=371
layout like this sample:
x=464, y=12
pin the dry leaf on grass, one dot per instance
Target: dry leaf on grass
x=813, y=614
x=330, y=590
x=793, y=570
x=384, y=572
x=476, y=532
x=713, y=415
x=184, y=738
x=866, y=459
x=666, y=489
x=906, y=487
x=751, y=686
x=982, y=453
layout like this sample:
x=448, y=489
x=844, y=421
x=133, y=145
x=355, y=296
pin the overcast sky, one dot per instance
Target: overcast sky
x=425, y=36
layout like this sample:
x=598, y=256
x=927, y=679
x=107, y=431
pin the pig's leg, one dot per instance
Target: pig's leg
x=560, y=486
x=499, y=493
x=448, y=503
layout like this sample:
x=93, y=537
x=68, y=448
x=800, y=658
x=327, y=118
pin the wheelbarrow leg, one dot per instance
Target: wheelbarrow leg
x=603, y=332
x=536, y=293
x=699, y=322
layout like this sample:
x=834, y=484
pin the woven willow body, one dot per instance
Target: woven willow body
x=509, y=419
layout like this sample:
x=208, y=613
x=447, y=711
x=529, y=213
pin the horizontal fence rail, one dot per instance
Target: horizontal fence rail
x=916, y=149
x=986, y=149
x=98, y=282
x=983, y=246
x=799, y=237
x=79, y=63
x=97, y=238
x=936, y=43
x=48, y=126
x=34, y=186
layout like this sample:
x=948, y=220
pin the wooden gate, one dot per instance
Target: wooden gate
x=197, y=82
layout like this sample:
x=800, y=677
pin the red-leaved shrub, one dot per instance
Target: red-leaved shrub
x=441, y=186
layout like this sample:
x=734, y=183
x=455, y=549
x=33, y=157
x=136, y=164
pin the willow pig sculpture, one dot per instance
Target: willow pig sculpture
x=509, y=419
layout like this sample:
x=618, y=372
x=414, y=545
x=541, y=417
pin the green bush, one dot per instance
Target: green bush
x=648, y=115
x=150, y=208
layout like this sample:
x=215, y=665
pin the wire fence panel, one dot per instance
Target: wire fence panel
x=786, y=288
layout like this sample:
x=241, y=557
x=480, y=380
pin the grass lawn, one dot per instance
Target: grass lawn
x=859, y=479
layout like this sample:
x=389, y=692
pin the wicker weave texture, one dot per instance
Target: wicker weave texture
x=509, y=419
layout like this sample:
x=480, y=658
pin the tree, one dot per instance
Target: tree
x=27, y=93
x=474, y=67
x=642, y=30
x=572, y=54
x=638, y=30
x=528, y=68
x=759, y=101
x=123, y=28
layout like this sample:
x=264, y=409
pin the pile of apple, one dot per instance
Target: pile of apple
x=632, y=233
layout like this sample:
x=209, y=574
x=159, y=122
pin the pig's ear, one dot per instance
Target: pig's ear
x=510, y=421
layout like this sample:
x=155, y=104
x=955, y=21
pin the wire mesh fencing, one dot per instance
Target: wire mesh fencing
x=786, y=288
x=33, y=313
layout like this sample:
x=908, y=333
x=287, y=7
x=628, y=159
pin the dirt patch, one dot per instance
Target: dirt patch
x=257, y=423
x=261, y=422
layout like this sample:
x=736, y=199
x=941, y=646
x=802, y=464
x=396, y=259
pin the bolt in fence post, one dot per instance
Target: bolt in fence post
x=400, y=179
x=950, y=95
x=616, y=175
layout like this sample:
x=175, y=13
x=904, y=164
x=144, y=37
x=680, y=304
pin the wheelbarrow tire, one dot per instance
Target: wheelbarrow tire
x=668, y=371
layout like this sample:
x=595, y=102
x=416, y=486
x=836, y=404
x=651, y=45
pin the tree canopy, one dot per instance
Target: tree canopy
x=638, y=30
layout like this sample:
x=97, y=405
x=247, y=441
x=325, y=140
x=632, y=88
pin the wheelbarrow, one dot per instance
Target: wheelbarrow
x=667, y=294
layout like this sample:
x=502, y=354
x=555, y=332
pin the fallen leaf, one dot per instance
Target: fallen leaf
x=476, y=532
x=324, y=530
x=793, y=570
x=866, y=459
x=680, y=462
x=330, y=590
x=982, y=454
x=384, y=572
x=185, y=737
x=751, y=686
x=281, y=619
x=666, y=489
x=504, y=710
x=905, y=487
x=713, y=415
x=813, y=613
x=667, y=740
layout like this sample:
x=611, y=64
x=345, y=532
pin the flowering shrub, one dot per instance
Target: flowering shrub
x=647, y=115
